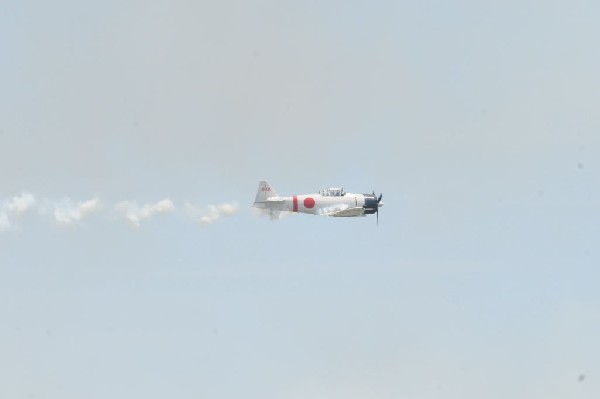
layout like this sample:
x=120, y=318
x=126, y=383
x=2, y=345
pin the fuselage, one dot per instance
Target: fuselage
x=315, y=203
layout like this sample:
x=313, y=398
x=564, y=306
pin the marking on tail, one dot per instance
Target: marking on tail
x=265, y=191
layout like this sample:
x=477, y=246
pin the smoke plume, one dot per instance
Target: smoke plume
x=135, y=213
x=14, y=207
x=67, y=213
x=20, y=204
x=211, y=213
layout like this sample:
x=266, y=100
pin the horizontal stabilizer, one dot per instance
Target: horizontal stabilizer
x=269, y=203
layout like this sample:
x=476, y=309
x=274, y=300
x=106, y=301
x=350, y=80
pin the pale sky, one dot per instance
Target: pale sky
x=123, y=123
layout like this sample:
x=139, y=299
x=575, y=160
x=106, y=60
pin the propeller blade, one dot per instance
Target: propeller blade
x=377, y=209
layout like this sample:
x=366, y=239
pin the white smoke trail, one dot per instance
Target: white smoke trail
x=135, y=214
x=67, y=213
x=20, y=204
x=212, y=213
x=15, y=206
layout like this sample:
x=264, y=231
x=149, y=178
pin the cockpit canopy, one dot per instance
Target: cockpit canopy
x=332, y=192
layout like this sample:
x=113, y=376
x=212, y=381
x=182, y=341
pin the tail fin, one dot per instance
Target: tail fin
x=264, y=191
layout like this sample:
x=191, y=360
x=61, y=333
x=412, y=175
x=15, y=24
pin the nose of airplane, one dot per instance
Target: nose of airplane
x=380, y=204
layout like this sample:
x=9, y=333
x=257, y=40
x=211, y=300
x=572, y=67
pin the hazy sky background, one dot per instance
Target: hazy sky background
x=479, y=122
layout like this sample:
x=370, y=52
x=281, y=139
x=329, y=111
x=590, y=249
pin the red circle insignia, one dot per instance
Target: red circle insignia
x=309, y=202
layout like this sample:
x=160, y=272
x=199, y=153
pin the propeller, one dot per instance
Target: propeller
x=377, y=208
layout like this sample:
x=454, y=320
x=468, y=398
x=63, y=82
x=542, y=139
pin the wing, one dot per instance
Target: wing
x=350, y=212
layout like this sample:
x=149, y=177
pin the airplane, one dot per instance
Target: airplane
x=328, y=202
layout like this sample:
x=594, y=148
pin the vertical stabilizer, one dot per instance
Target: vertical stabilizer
x=264, y=191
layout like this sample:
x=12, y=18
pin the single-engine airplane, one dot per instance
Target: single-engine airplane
x=327, y=202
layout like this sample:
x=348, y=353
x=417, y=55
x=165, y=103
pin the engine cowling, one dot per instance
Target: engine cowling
x=371, y=204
